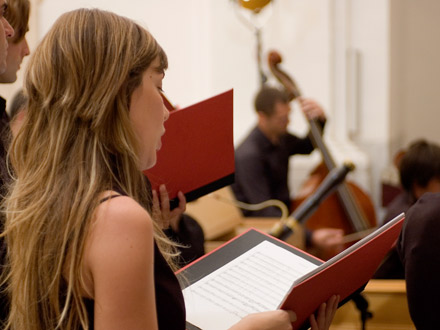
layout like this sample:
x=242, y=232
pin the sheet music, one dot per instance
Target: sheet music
x=254, y=282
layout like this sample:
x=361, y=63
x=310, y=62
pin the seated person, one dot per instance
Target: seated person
x=262, y=159
x=419, y=170
x=418, y=248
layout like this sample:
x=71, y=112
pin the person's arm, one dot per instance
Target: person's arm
x=312, y=110
x=120, y=262
x=299, y=145
x=271, y=320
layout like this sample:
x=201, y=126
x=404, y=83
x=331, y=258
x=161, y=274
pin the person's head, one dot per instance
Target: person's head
x=93, y=121
x=6, y=32
x=93, y=81
x=273, y=109
x=18, y=16
x=420, y=168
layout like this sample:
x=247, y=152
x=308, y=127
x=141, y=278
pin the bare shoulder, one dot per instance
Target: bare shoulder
x=121, y=235
x=122, y=214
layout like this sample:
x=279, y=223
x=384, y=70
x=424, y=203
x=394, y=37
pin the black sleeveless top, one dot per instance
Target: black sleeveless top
x=170, y=306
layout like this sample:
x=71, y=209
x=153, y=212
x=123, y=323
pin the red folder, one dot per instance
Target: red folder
x=197, y=154
x=344, y=275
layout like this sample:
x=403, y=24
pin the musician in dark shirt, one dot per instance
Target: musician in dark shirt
x=262, y=159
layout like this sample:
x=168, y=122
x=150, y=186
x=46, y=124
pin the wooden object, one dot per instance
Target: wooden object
x=388, y=303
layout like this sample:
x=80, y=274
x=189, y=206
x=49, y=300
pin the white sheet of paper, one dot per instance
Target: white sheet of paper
x=256, y=281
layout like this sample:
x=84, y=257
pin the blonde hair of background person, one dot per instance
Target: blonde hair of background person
x=94, y=119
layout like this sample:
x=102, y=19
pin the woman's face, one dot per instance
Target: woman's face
x=148, y=114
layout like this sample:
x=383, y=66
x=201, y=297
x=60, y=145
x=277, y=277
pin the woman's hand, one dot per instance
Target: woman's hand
x=162, y=212
x=282, y=320
x=326, y=312
x=272, y=320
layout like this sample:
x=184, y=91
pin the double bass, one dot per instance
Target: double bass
x=349, y=208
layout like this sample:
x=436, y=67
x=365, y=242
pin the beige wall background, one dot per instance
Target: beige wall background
x=415, y=71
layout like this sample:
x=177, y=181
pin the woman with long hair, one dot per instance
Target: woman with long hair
x=83, y=250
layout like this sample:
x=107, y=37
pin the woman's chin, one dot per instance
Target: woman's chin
x=149, y=163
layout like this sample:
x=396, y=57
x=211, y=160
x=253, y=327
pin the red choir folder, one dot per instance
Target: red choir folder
x=255, y=272
x=197, y=154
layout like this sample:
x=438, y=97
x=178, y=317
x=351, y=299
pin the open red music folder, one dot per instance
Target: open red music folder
x=255, y=272
x=197, y=154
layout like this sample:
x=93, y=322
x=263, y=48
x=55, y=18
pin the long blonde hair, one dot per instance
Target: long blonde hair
x=75, y=143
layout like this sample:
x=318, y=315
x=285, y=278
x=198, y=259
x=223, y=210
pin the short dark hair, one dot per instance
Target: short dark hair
x=420, y=164
x=266, y=99
x=18, y=16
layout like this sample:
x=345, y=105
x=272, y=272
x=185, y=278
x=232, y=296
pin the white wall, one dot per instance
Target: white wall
x=361, y=83
x=179, y=26
x=415, y=71
x=210, y=49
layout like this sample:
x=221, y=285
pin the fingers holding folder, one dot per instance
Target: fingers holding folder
x=280, y=319
x=325, y=315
